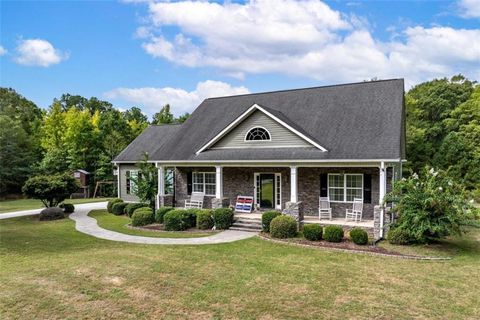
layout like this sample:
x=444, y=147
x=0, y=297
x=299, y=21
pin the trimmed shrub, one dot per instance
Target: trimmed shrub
x=312, y=232
x=205, y=219
x=51, y=213
x=119, y=208
x=190, y=217
x=160, y=213
x=333, y=233
x=267, y=217
x=111, y=203
x=398, y=236
x=176, y=220
x=283, y=227
x=359, y=236
x=142, y=217
x=131, y=207
x=67, y=207
x=223, y=218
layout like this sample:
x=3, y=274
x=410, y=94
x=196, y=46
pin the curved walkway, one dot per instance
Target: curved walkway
x=88, y=225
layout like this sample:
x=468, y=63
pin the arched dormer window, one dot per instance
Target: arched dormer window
x=258, y=134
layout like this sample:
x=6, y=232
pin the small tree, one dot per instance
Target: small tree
x=146, y=182
x=51, y=190
x=430, y=206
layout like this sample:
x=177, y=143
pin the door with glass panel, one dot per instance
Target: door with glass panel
x=268, y=190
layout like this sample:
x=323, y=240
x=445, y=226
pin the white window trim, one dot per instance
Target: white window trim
x=204, y=183
x=344, y=188
x=133, y=185
x=257, y=141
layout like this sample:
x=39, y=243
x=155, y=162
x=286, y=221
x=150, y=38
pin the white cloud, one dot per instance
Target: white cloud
x=469, y=8
x=38, y=52
x=303, y=38
x=181, y=101
x=3, y=51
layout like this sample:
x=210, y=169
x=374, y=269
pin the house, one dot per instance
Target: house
x=285, y=148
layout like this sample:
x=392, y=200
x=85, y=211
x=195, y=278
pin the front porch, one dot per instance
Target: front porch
x=293, y=190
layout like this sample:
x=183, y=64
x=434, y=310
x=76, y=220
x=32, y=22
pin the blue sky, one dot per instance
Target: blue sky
x=147, y=53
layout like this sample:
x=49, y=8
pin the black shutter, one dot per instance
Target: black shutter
x=323, y=185
x=367, y=188
x=189, y=183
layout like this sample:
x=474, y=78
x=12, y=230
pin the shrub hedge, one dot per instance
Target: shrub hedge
x=160, y=213
x=190, y=217
x=142, y=217
x=205, y=219
x=333, y=233
x=52, y=213
x=398, y=236
x=312, y=232
x=283, y=227
x=111, y=202
x=267, y=217
x=223, y=218
x=359, y=236
x=131, y=207
x=119, y=208
x=180, y=219
x=67, y=207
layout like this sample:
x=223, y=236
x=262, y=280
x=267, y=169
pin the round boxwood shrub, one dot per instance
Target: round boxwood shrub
x=111, y=203
x=267, y=217
x=52, y=213
x=398, y=236
x=67, y=207
x=142, y=217
x=312, y=232
x=160, y=213
x=359, y=236
x=131, y=207
x=283, y=227
x=190, y=217
x=223, y=218
x=205, y=219
x=119, y=208
x=176, y=220
x=333, y=233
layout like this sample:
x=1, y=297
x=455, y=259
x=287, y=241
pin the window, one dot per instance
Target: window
x=169, y=181
x=345, y=187
x=204, y=182
x=131, y=177
x=257, y=134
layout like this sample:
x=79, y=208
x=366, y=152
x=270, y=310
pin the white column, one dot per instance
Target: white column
x=382, y=188
x=219, y=182
x=161, y=183
x=293, y=184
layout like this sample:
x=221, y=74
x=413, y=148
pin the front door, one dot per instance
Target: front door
x=267, y=194
x=268, y=190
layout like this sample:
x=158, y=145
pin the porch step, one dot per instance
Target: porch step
x=244, y=229
x=247, y=225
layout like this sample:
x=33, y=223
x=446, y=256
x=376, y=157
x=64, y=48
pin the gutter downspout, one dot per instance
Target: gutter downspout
x=382, y=196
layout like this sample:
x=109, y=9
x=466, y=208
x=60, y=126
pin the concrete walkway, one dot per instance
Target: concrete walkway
x=89, y=225
x=87, y=206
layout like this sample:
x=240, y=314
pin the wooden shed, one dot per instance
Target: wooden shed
x=83, y=178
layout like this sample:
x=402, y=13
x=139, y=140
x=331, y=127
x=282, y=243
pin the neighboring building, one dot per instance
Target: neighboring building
x=284, y=148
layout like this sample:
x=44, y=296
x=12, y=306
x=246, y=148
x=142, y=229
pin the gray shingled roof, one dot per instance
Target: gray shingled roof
x=352, y=121
x=150, y=140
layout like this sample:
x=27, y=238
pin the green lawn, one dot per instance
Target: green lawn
x=118, y=223
x=50, y=271
x=27, y=204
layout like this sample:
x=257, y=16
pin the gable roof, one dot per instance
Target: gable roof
x=273, y=114
x=150, y=140
x=357, y=121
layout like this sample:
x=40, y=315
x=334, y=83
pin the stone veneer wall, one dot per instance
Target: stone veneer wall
x=240, y=181
x=309, y=190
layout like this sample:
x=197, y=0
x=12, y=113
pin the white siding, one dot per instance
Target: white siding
x=280, y=136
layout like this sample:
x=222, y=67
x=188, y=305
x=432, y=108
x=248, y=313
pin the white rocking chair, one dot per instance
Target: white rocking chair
x=324, y=210
x=196, y=200
x=355, y=213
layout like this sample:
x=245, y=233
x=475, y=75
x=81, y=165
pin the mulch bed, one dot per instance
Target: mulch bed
x=348, y=246
x=160, y=228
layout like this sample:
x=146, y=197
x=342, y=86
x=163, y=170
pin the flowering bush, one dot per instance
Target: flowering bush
x=429, y=206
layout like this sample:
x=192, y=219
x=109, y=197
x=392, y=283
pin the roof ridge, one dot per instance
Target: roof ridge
x=307, y=88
